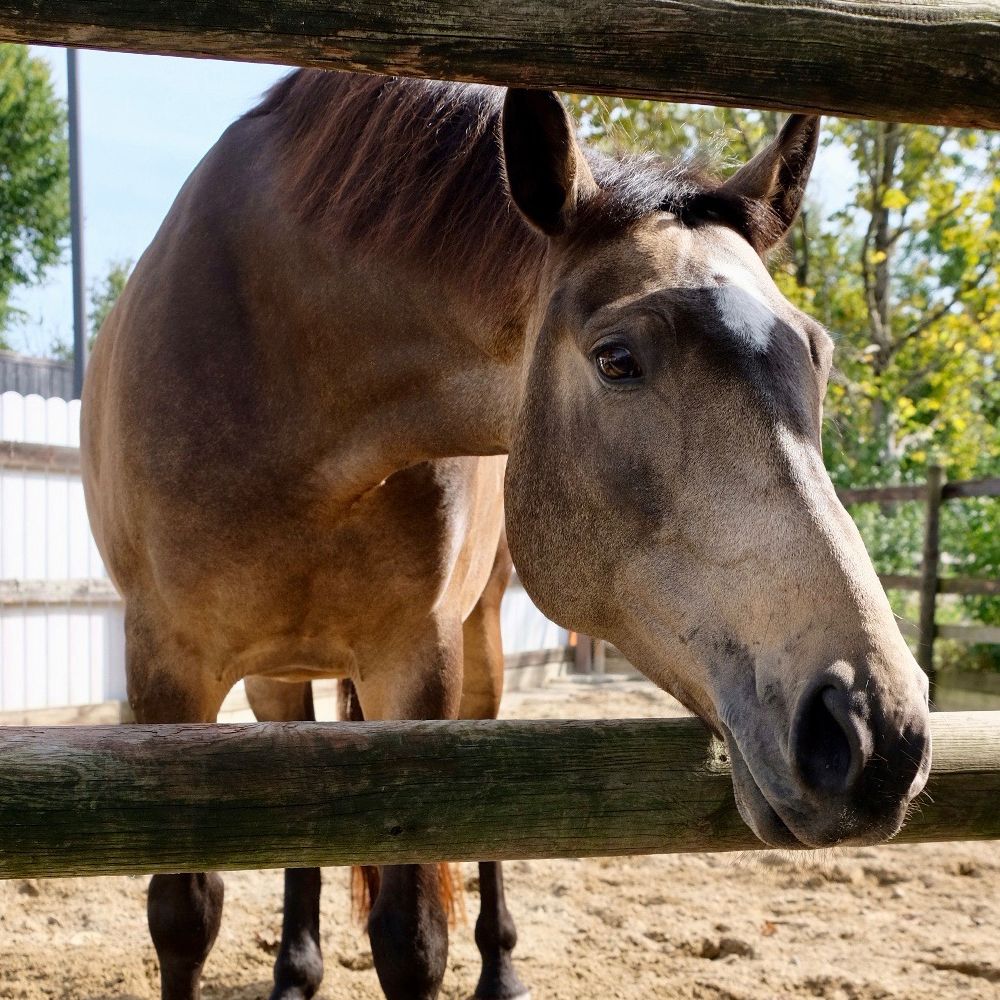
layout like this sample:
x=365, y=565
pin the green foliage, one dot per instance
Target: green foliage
x=103, y=295
x=903, y=272
x=34, y=173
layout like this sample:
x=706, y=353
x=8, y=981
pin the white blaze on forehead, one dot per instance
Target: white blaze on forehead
x=743, y=287
x=745, y=315
x=717, y=259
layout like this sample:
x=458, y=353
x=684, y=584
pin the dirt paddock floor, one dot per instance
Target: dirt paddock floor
x=909, y=922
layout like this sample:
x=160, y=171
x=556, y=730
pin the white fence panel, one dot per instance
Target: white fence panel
x=54, y=654
x=524, y=627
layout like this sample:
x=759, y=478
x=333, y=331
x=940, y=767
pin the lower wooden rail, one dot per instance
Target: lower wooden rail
x=131, y=799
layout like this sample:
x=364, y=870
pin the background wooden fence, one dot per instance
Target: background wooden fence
x=930, y=583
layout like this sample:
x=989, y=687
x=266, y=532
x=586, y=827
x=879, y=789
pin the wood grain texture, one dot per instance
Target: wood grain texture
x=131, y=799
x=900, y=60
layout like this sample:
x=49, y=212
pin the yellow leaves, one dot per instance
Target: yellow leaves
x=985, y=342
x=958, y=347
x=894, y=200
x=878, y=256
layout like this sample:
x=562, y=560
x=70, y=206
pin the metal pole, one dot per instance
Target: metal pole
x=76, y=225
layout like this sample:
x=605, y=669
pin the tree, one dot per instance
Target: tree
x=34, y=174
x=103, y=295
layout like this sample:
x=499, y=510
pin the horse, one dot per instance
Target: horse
x=391, y=328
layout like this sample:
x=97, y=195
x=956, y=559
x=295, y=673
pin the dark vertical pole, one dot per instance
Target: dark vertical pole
x=929, y=573
x=583, y=660
x=76, y=225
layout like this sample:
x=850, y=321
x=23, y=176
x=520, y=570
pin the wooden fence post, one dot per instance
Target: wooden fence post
x=929, y=573
x=600, y=654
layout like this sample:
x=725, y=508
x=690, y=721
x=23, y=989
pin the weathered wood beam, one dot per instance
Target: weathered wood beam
x=970, y=633
x=899, y=60
x=131, y=799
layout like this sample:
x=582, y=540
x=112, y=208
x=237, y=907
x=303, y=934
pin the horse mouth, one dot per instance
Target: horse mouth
x=796, y=829
x=753, y=805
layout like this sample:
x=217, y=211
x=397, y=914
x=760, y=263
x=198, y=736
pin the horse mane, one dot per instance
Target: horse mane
x=411, y=169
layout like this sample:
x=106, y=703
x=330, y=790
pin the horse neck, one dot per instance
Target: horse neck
x=405, y=363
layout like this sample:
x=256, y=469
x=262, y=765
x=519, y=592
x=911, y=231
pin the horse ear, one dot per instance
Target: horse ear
x=545, y=169
x=776, y=179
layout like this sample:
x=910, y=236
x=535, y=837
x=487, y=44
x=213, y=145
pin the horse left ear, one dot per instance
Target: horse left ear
x=545, y=169
x=775, y=179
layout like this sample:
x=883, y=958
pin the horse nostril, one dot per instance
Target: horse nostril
x=826, y=742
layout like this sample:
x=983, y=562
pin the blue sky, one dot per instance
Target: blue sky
x=146, y=122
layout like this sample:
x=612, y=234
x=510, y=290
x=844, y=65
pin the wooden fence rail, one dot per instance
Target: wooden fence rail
x=898, y=60
x=106, y=800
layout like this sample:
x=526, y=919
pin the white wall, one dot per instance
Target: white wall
x=52, y=655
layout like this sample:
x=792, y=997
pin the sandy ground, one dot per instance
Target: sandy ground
x=908, y=922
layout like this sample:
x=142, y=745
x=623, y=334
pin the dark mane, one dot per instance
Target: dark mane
x=410, y=167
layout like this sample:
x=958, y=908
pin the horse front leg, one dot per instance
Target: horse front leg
x=168, y=683
x=408, y=923
x=482, y=687
x=298, y=969
x=496, y=937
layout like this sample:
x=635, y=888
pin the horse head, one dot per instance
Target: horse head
x=666, y=487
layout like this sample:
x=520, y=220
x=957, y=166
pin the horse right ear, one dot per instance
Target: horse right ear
x=546, y=171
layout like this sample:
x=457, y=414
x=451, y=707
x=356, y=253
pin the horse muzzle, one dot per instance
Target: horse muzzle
x=852, y=764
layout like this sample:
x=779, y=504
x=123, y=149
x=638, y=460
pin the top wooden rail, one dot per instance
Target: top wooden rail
x=934, y=61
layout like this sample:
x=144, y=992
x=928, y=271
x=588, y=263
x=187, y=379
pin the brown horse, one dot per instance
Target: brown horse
x=368, y=293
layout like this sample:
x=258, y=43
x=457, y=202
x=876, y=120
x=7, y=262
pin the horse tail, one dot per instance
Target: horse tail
x=366, y=879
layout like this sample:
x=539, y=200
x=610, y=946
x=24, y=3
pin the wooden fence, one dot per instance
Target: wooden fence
x=44, y=377
x=190, y=798
x=899, y=60
x=107, y=800
x=930, y=583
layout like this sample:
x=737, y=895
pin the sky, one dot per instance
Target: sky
x=146, y=121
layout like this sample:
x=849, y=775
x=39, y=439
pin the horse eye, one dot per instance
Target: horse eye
x=617, y=364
